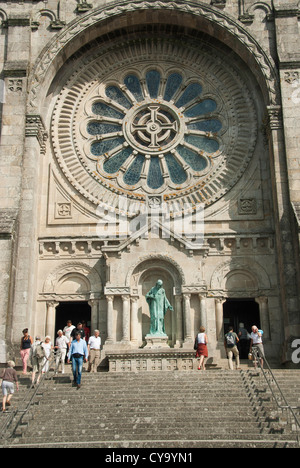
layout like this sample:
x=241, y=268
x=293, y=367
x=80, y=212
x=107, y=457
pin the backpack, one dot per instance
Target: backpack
x=230, y=340
x=39, y=351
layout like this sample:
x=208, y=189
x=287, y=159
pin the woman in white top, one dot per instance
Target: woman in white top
x=202, y=351
x=47, y=345
x=61, y=346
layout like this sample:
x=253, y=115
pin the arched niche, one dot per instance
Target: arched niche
x=73, y=280
x=142, y=277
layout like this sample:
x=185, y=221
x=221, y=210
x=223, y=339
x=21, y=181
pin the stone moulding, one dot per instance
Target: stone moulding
x=46, y=60
x=52, y=248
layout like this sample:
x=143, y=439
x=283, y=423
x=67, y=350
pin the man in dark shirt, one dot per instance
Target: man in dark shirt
x=78, y=329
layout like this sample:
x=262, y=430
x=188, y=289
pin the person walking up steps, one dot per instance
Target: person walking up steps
x=230, y=343
x=9, y=378
x=202, y=352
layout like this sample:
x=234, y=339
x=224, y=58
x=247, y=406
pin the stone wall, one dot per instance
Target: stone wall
x=49, y=56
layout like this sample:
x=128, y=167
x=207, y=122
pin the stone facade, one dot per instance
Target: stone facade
x=144, y=140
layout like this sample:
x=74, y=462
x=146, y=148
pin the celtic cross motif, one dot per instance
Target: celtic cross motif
x=154, y=127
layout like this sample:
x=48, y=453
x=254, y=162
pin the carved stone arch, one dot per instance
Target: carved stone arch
x=87, y=277
x=204, y=18
x=259, y=6
x=249, y=269
x=45, y=12
x=162, y=262
x=55, y=22
x=3, y=16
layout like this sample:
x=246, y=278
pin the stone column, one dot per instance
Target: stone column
x=94, y=303
x=203, y=313
x=179, y=321
x=264, y=316
x=126, y=319
x=134, y=322
x=284, y=188
x=110, y=320
x=219, y=319
x=50, y=320
x=187, y=319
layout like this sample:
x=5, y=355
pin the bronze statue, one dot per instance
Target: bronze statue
x=158, y=306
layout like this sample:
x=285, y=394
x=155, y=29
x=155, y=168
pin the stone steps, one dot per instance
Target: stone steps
x=123, y=410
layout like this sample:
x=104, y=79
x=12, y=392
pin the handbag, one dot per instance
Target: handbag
x=196, y=343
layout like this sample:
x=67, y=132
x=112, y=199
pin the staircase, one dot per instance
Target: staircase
x=215, y=408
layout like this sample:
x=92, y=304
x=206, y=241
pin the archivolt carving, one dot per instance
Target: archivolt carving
x=221, y=273
x=77, y=269
x=75, y=28
x=162, y=261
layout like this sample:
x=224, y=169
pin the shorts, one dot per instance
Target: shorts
x=37, y=364
x=260, y=347
x=7, y=388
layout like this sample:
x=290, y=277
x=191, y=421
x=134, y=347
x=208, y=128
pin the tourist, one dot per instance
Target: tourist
x=87, y=331
x=257, y=344
x=244, y=343
x=202, y=352
x=9, y=378
x=77, y=353
x=230, y=342
x=26, y=342
x=68, y=330
x=61, y=346
x=37, y=356
x=94, y=351
x=47, y=345
x=78, y=329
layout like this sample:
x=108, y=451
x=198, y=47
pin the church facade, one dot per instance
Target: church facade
x=145, y=140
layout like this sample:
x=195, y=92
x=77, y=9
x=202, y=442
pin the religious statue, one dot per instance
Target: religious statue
x=158, y=305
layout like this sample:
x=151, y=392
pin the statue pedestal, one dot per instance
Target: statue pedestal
x=156, y=342
x=150, y=360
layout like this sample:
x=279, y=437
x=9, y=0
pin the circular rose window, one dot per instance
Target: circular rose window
x=140, y=121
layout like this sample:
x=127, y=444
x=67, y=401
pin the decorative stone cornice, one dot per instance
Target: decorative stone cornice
x=35, y=128
x=15, y=69
x=275, y=121
x=83, y=6
x=18, y=20
x=286, y=11
x=117, y=291
x=219, y=3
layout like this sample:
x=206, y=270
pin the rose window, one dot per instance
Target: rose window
x=153, y=117
x=154, y=130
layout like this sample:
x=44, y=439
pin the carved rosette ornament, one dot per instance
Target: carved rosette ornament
x=154, y=117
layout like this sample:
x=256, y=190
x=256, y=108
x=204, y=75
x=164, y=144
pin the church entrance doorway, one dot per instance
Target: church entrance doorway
x=76, y=311
x=238, y=311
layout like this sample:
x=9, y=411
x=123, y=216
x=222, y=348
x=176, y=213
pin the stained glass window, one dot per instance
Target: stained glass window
x=131, y=123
